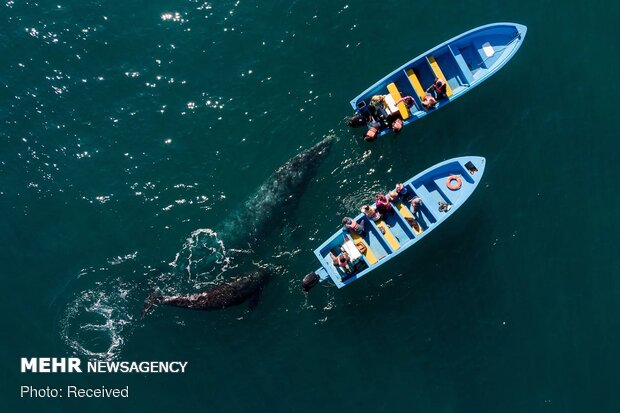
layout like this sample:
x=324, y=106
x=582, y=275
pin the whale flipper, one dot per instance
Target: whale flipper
x=254, y=300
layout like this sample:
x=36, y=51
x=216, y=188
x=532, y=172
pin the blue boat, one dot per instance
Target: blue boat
x=462, y=62
x=442, y=188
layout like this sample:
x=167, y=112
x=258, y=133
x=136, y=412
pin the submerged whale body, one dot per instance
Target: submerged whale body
x=257, y=216
x=230, y=293
x=205, y=253
x=249, y=225
x=281, y=192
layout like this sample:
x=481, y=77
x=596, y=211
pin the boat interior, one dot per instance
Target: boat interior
x=460, y=64
x=402, y=227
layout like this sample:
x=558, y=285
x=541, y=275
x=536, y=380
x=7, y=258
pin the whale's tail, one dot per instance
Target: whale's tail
x=150, y=301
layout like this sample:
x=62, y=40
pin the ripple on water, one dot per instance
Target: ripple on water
x=95, y=322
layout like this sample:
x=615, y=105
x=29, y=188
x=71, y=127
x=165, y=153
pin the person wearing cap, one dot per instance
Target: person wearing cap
x=350, y=225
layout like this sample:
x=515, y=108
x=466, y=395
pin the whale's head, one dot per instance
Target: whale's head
x=265, y=273
x=318, y=152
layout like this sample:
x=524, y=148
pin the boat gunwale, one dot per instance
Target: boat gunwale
x=447, y=43
x=419, y=114
x=332, y=272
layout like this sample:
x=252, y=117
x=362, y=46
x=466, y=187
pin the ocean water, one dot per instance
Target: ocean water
x=132, y=131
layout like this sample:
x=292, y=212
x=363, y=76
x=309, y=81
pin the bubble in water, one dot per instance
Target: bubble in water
x=93, y=324
x=202, y=253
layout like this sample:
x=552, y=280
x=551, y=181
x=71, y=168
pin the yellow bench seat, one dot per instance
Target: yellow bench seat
x=370, y=256
x=404, y=211
x=404, y=113
x=389, y=237
x=415, y=82
x=439, y=73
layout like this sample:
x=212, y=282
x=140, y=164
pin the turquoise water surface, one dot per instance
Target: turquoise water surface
x=132, y=132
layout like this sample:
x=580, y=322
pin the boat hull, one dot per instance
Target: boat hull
x=449, y=183
x=463, y=62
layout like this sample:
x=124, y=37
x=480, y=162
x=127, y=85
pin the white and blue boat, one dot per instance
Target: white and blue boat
x=463, y=62
x=442, y=188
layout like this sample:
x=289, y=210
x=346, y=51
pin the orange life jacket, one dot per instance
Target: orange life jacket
x=353, y=225
x=371, y=134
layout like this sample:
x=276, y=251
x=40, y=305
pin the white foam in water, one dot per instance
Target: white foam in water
x=202, y=253
x=96, y=321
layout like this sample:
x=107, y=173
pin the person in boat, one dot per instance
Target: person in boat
x=371, y=212
x=416, y=203
x=382, y=204
x=443, y=207
x=438, y=89
x=401, y=190
x=352, y=226
x=377, y=100
x=342, y=260
x=407, y=100
x=397, y=125
x=392, y=196
x=378, y=110
x=378, y=113
x=398, y=193
x=373, y=131
x=429, y=102
x=395, y=121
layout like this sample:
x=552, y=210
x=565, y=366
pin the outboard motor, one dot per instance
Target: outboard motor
x=356, y=121
x=309, y=281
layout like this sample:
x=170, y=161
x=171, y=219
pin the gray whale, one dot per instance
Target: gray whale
x=278, y=194
x=259, y=215
x=232, y=292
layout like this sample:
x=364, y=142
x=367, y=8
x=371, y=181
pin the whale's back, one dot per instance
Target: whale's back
x=228, y=294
